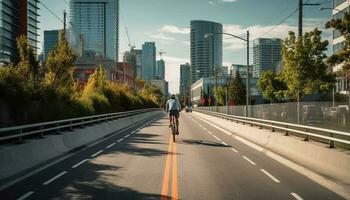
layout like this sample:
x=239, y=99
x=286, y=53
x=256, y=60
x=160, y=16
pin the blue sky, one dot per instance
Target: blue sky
x=167, y=22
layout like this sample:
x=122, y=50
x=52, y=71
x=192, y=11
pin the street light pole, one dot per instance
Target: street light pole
x=247, y=77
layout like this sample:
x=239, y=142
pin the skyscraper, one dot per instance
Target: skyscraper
x=185, y=81
x=50, y=41
x=206, y=52
x=17, y=18
x=160, y=72
x=95, y=26
x=148, y=62
x=266, y=55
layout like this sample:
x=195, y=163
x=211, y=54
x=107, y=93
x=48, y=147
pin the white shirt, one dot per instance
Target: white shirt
x=173, y=104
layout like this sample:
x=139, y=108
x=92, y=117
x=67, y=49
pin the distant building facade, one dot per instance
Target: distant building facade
x=160, y=72
x=162, y=85
x=266, y=55
x=95, y=26
x=17, y=17
x=148, y=61
x=342, y=85
x=51, y=38
x=185, y=79
x=241, y=69
x=206, y=52
x=125, y=74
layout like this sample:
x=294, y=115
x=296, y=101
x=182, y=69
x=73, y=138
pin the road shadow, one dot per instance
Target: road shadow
x=201, y=142
x=96, y=181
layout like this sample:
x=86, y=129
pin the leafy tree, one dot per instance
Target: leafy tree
x=343, y=55
x=28, y=66
x=272, y=86
x=220, y=94
x=305, y=71
x=60, y=66
x=236, y=90
x=97, y=81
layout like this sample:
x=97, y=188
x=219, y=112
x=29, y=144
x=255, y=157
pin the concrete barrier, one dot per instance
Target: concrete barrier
x=17, y=158
x=331, y=163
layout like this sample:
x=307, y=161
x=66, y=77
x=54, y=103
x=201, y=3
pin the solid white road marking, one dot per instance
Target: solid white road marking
x=95, y=154
x=120, y=140
x=252, y=145
x=296, y=196
x=234, y=150
x=26, y=195
x=79, y=163
x=55, y=177
x=270, y=176
x=251, y=162
x=109, y=146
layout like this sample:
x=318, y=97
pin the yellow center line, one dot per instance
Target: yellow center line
x=165, y=185
x=174, y=191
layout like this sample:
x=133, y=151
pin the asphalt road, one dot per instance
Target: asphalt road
x=144, y=163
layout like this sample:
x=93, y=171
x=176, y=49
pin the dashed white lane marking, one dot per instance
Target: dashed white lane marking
x=55, y=177
x=222, y=142
x=79, y=163
x=111, y=145
x=247, y=159
x=296, y=196
x=234, y=150
x=210, y=132
x=133, y=132
x=205, y=128
x=26, y=195
x=270, y=176
x=95, y=154
x=120, y=140
x=216, y=137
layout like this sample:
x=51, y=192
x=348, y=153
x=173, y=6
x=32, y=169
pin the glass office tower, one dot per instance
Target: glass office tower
x=95, y=26
x=17, y=18
x=148, y=62
x=206, y=53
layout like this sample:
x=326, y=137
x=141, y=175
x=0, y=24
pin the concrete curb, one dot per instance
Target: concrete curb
x=18, y=158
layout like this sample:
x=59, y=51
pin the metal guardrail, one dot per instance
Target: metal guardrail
x=41, y=128
x=306, y=131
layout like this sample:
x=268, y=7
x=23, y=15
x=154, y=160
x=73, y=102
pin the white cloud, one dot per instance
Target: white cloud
x=186, y=43
x=174, y=29
x=160, y=36
x=229, y=1
x=211, y=3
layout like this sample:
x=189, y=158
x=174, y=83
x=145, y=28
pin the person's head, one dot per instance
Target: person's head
x=172, y=96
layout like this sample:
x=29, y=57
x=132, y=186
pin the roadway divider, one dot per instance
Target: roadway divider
x=330, y=162
x=16, y=158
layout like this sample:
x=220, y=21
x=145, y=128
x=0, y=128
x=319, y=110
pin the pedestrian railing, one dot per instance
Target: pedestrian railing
x=40, y=129
x=308, y=132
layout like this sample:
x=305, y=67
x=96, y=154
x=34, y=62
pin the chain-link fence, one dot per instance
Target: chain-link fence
x=318, y=114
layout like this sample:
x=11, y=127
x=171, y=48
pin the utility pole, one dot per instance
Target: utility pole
x=300, y=24
x=247, y=79
x=64, y=20
x=300, y=19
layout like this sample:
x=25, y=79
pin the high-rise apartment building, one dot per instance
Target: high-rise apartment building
x=160, y=72
x=148, y=61
x=95, y=26
x=17, y=17
x=266, y=55
x=51, y=38
x=206, y=52
x=340, y=6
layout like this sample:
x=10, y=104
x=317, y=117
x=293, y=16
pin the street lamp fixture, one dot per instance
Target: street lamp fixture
x=247, y=77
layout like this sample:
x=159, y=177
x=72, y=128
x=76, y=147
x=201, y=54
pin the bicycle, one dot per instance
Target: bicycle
x=174, y=129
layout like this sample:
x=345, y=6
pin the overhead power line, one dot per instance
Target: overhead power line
x=47, y=8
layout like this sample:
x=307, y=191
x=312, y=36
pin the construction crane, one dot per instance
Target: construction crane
x=132, y=46
x=161, y=53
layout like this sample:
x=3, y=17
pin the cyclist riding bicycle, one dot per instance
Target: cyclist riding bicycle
x=173, y=108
